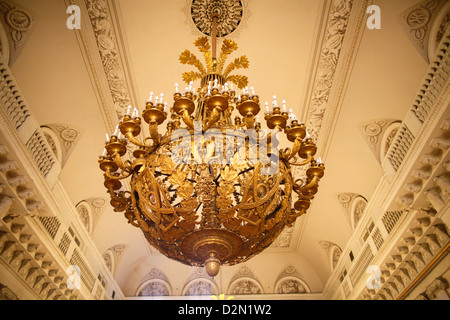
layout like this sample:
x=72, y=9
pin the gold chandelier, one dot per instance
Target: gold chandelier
x=210, y=191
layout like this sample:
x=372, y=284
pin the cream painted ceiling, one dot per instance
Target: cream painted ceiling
x=281, y=39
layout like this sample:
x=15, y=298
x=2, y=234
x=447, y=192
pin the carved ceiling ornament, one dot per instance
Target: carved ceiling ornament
x=329, y=58
x=85, y=214
x=113, y=255
x=289, y=281
x=284, y=239
x=62, y=138
x=155, y=283
x=200, y=287
x=333, y=252
x=101, y=20
x=291, y=285
x=109, y=260
x=357, y=210
x=418, y=21
x=378, y=133
x=18, y=22
x=154, y=288
x=6, y=294
x=244, y=282
x=233, y=16
x=89, y=211
x=354, y=206
x=230, y=13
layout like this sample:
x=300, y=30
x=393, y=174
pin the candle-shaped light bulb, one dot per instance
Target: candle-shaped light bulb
x=151, y=97
x=104, y=153
x=267, y=107
x=216, y=81
x=156, y=100
x=129, y=110
x=232, y=87
x=107, y=137
x=308, y=136
x=117, y=131
x=190, y=86
x=161, y=98
x=176, y=87
x=319, y=161
x=253, y=91
x=284, y=105
x=165, y=106
x=257, y=119
x=275, y=101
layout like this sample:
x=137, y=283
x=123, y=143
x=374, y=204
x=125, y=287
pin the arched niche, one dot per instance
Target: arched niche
x=245, y=286
x=85, y=215
x=387, y=138
x=4, y=44
x=291, y=285
x=357, y=210
x=354, y=206
x=438, y=29
x=54, y=143
x=62, y=138
x=200, y=287
x=154, y=288
x=110, y=260
x=335, y=255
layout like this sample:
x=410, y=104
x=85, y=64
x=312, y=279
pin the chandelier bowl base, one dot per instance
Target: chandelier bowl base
x=211, y=248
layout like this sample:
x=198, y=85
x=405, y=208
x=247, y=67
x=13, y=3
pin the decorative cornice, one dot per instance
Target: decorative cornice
x=100, y=15
x=329, y=58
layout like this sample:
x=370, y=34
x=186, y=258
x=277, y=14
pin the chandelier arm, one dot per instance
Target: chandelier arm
x=215, y=115
x=120, y=198
x=187, y=118
x=313, y=183
x=118, y=160
x=154, y=135
x=134, y=224
x=294, y=216
x=136, y=142
x=249, y=121
x=295, y=149
x=108, y=174
x=305, y=162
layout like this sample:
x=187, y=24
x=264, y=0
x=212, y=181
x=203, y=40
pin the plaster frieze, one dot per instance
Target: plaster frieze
x=324, y=75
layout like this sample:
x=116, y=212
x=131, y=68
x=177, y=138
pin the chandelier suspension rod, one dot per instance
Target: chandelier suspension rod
x=215, y=19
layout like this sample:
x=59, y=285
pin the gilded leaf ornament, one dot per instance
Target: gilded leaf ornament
x=228, y=47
